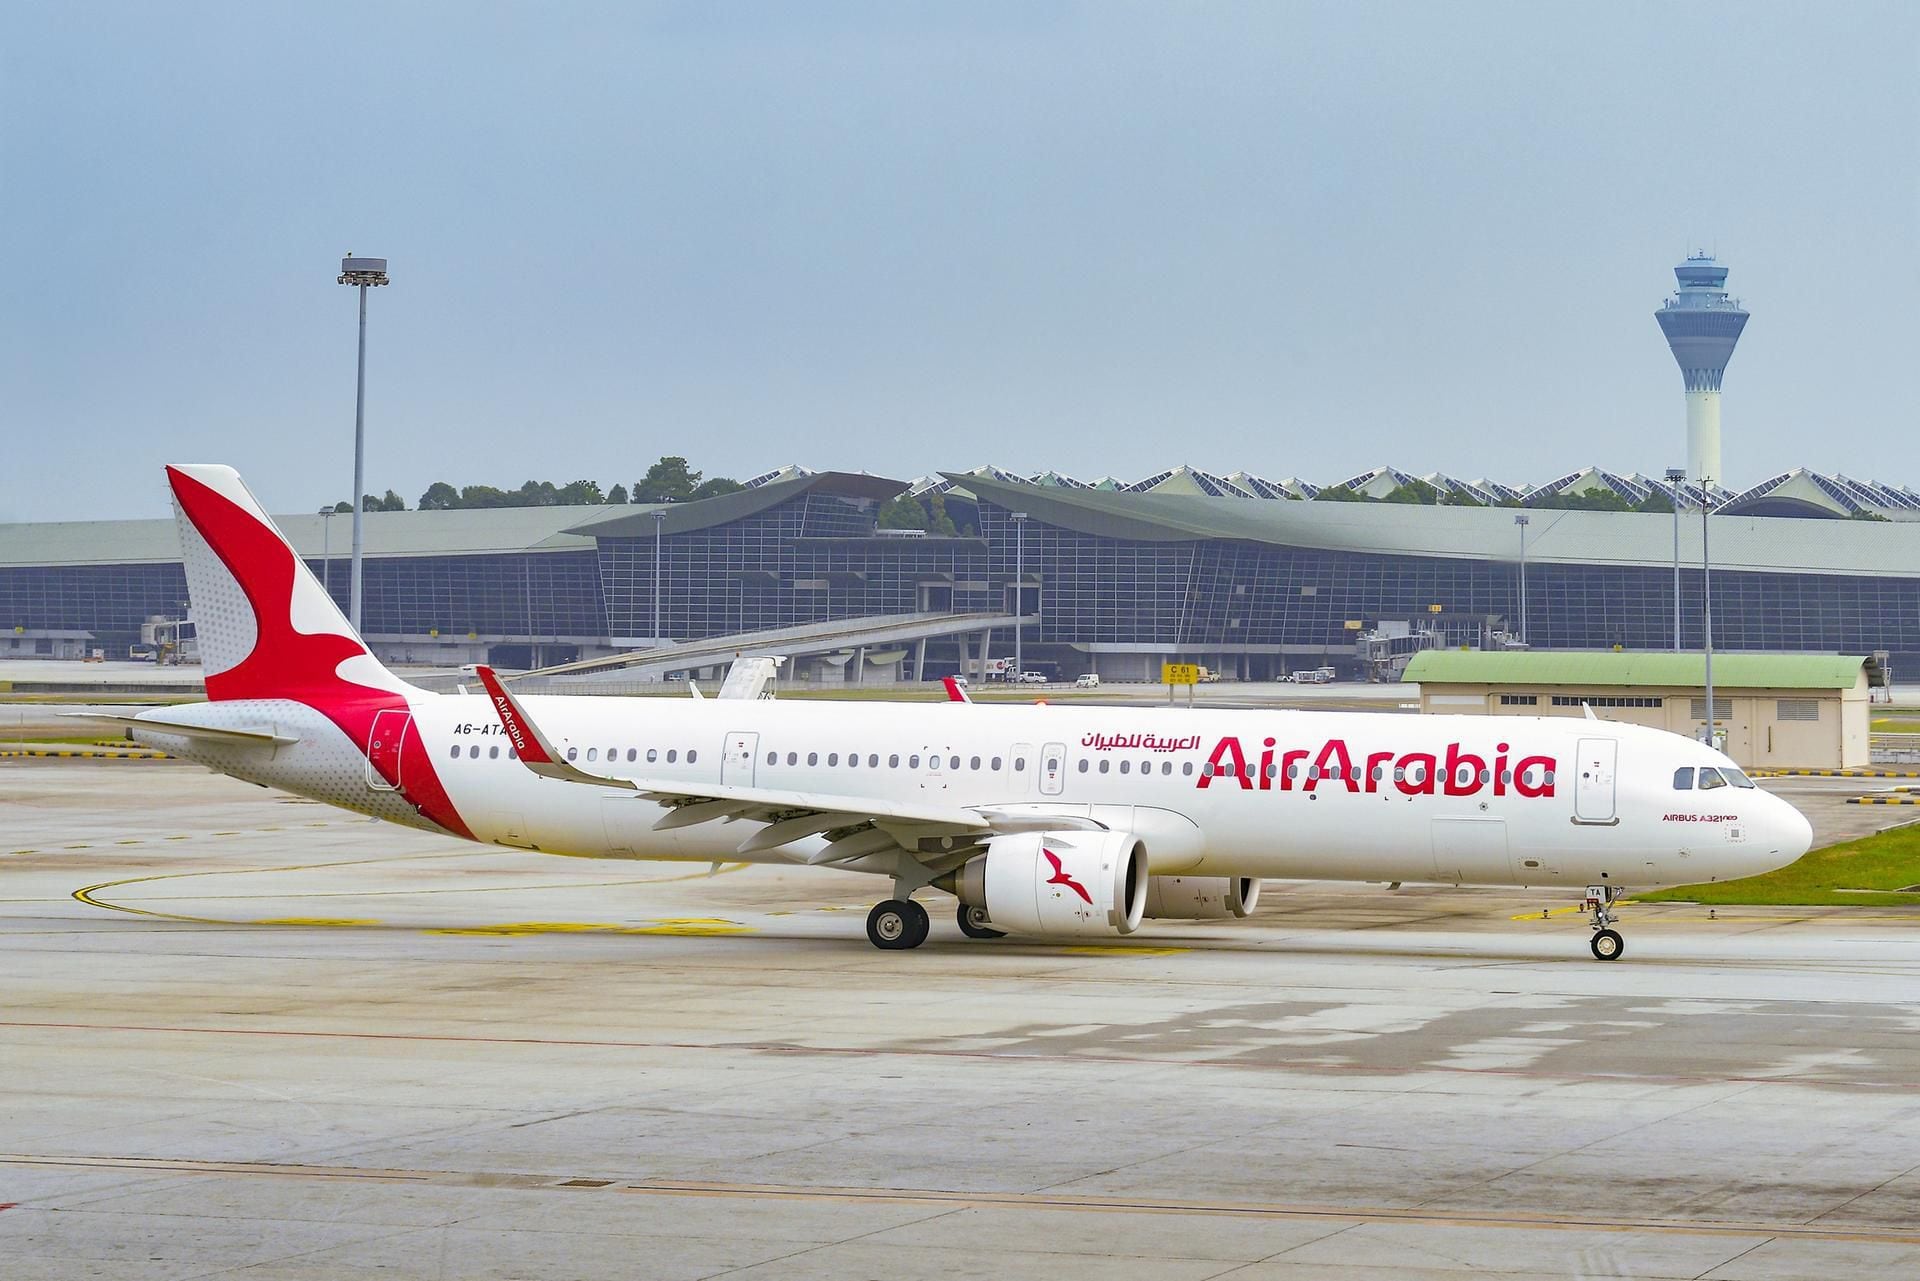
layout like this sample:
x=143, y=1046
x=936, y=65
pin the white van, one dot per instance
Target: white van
x=1089, y=680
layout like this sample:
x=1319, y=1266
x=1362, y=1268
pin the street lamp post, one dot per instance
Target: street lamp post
x=364, y=274
x=1676, y=479
x=1522, y=522
x=1706, y=601
x=1019, y=581
x=659, y=524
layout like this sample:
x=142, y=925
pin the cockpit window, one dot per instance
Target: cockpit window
x=1710, y=778
x=1683, y=778
x=1735, y=777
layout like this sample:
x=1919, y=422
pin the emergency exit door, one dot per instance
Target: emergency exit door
x=1593, y=780
x=384, y=744
x=736, y=767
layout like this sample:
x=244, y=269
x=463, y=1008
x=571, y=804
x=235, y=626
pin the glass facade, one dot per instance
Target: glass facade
x=814, y=556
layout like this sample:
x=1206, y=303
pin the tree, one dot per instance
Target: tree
x=716, y=486
x=483, y=496
x=581, y=493
x=1414, y=491
x=1590, y=500
x=667, y=481
x=1460, y=498
x=342, y=508
x=617, y=495
x=1340, y=494
x=902, y=512
x=938, y=522
x=392, y=502
x=1654, y=502
x=440, y=497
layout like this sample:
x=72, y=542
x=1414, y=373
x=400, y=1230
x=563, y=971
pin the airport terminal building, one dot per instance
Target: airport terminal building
x=1251, y=578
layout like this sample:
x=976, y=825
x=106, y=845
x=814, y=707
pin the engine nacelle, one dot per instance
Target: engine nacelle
x=1201, y=898
x=1057, y=884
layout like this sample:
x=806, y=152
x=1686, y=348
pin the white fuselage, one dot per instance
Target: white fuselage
x=1322, y=795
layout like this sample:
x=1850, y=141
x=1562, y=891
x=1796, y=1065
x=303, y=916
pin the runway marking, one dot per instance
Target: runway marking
x=1310, y=1066
x=952, y=1199
x=681, y=926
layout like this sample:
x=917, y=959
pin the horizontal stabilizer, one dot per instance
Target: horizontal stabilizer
x=263, y=735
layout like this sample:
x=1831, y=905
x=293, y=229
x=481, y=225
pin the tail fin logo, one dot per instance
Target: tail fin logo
x=284, y=661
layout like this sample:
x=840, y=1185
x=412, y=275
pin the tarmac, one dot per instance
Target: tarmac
x=248, y=1036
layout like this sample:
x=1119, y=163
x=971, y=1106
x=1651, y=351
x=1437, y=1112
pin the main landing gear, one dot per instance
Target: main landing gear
x=897, y=925
x=1606, y=943
x=973, y=924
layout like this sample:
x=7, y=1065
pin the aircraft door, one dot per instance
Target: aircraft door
x=388, y=736
x=1017, y=762
x=1593, y=783
x=1053, y=769
x=737, y=765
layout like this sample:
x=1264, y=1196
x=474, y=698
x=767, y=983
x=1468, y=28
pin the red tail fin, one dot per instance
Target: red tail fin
x=266, y=628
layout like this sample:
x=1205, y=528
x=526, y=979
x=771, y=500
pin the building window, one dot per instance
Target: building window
x=1722, y=708
x=1797, y=709
x=1519, y=700
x=1607, y=700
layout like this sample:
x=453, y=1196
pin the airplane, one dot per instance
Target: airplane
x=1060, y=822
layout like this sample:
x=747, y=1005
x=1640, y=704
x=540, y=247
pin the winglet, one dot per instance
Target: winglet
x=956, y=692
x=528, y=743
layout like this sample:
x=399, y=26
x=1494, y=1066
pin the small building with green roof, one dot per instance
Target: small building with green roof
x=1784, y=711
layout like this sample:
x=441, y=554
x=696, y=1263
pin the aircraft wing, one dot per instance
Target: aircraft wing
x=788, y=815
x=264, y=735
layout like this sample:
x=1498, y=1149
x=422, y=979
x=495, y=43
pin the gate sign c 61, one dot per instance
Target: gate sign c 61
x=1179, y=673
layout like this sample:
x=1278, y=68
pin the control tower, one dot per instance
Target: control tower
x=1702, y=324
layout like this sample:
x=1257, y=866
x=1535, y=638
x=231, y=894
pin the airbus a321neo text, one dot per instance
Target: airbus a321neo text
x=1057, y=822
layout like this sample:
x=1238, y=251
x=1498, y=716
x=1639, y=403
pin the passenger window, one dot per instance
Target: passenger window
x=1166, y=767
x=1053, y=765
x=613, y=754
x=893, y=762
x=853, y=760
x=474, y=752
x=873, y=760
x=693, y=755
x=996, y=765
x=793, y=758
x=455, y=753
x=1083, y=762
x=833, y=758
x=1683, y=779
x=1485, y=776
x=671, y=753
x=573, y=753
x=632, y=754
x=493, y=753
x=512, y=755
x=1186, y=767
x=973, y=763
x=1272, y=770
x=1735, y=777
x=1019, y=764
x=773, y=758
x=953, y=762
x=593, y=753
x=1105, y=766
x=1710, y=779
x=653, y=754
x=1125, y=766
x=813, y=758
x=913, y=762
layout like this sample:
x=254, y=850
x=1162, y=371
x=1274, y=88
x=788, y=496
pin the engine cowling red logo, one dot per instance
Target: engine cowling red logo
x=1060, y=877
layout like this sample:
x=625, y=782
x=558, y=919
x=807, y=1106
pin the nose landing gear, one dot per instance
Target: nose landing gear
x=1606, y=943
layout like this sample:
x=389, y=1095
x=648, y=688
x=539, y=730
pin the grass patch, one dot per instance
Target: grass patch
x=1893, y=725
x=1885, y=862
x=101, y=735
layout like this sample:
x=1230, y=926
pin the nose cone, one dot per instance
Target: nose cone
x=1796, y=834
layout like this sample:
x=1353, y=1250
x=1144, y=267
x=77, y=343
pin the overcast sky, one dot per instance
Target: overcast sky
x=1104, y=238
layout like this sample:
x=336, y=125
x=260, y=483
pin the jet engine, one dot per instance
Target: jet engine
x=1201, y=898
x=1057, y=884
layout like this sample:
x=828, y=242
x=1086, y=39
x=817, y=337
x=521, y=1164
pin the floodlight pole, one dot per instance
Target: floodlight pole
x=1706, y=601
x=1522, y=522
x=1019, y=579
x=363, y=274
x=1676, y=478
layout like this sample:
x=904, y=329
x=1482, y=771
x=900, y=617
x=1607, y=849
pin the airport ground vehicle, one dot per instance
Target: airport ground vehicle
x=1064, y=821
x=1086, y=680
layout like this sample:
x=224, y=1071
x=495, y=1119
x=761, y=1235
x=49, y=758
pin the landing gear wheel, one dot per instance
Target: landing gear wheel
x=973, y=923
x=897, y=924
x=1607, y=945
